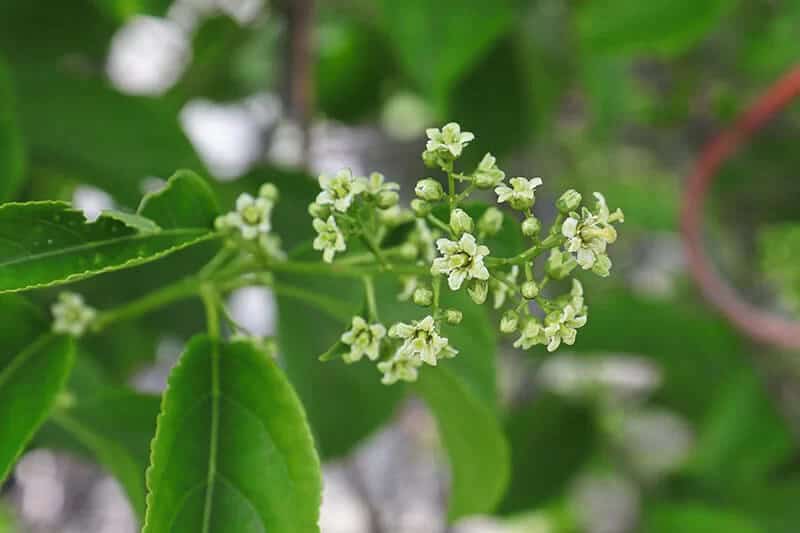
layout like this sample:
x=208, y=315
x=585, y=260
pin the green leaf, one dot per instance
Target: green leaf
x=30, y=381
x=12, y=156
x=471, y=433
x=669, y=27
x=59, y=246
x=232, y=450
x=696, y=518
x=186, y=201
x=438, y=42
x=551, y=441
x=110, y=424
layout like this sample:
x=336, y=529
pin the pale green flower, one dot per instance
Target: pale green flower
x=340, y=190
x=532, y=334
x=448, y=142
x=422, y=341
x=500, y=291
x=487, y=175
x=561, y=326
x=589, y=233
x=71, y=315
x=363, y=339
x=329, y=239
x=376, y=183
x=522, y=193
x=460, y=260
x=399, y=368
x=251, y=217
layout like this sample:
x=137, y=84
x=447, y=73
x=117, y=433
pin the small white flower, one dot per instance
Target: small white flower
x=460, y=260
x=522, y=193
x=71, y=315
x=487, y=174
x=398, y=368
x=363, y=339
x=329, y=239
x=500, y=291
x=251, y=217
x=449, y=141
x=561, y=326
x=340, y=190
x=376, y=184
x=589, y=233
x=422, y=341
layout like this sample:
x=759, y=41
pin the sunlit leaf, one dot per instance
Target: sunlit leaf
x=60, y=246
x=232, y=450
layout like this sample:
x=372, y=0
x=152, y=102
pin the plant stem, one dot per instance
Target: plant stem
x=181, y=290
x=372, y=307
x=211, y=302
x=440, y=224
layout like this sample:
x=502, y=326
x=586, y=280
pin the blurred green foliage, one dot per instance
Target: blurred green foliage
x=614, y=96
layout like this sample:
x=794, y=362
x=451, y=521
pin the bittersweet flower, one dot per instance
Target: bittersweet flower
x=447, y=143
x=329, y=239
x=71, y=315
x=460, y=260
x=522, y=193
x=487, y=175
x=589, y=233
x=340, y=190
x=363, y=339
x=251, y=218
x=421, y=341
x=398, y=368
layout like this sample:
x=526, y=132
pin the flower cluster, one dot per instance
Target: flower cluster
x=251, y=221
x=71, y=315
x=447, y=243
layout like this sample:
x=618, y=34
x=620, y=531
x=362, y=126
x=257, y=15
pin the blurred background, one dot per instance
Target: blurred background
x=663, y=418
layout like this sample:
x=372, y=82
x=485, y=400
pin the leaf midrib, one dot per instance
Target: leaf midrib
x=98, y=244
x=213, y=438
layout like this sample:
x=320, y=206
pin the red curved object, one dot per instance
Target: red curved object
x=759, y=324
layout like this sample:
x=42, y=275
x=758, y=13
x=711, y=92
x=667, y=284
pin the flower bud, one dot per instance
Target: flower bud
x=478, y=290
x=560, y=264
x=319, y=211
x=408, y=251
x=429, y=189
x=460, y=221
x=530, y=290
x=491, y=221
x=421, y=208
x=387, y=199
x=453, y=316
x=509, y=322
x=569, y=201
x=531, y=227
x=423, y=297
x=269, y=191
x=487, y=175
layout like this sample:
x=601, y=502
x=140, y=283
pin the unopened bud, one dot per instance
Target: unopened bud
x=491, y=221
x=478, y=290
x=319, y=211
x=460, y=221
x=530, y=290
x=421, y=208
x=269, y=191
x=387, y=199
x=423, y=297
x=453, y=316
x=509, y=322
x=569, y=201
x=531, y=226
x=429, y=189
